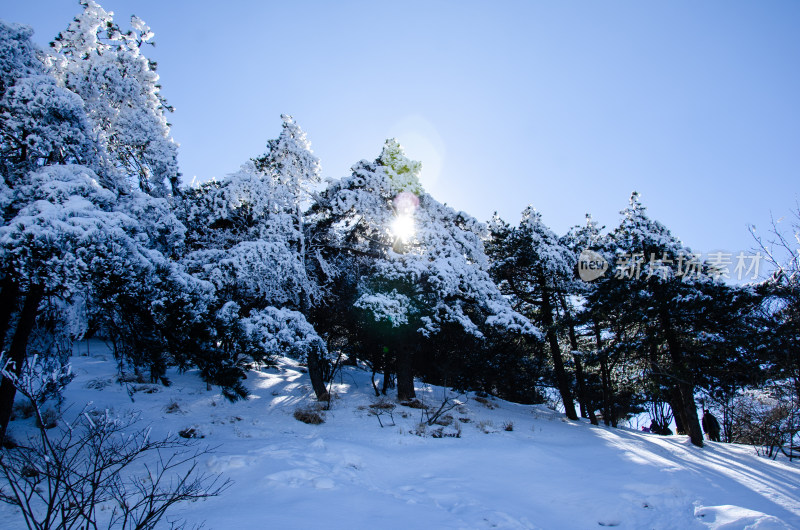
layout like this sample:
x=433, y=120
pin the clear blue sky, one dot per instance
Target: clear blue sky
x=568, y=106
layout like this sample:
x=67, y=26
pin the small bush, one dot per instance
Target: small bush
x=172, y=407
x=98, y=383
x=486, y=426
x=23, y=409
x=421, y=429
x=383, y=404
x=383, y=407
x=49, y=418
x=118, y=490
x=444, y=421
x=146, y=388
x=414, y=404
x=309, y=416
x=444, y=432
x=126, y=377
x=508, y=426
x=485, y=402
x=190, y=432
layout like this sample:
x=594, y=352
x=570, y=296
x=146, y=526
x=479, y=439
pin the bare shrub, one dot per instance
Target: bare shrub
x=48, y=418
x=767, y=419
x=190, y=432
x=445, y=420
x=433, y=415
x=127, y=377
x=97, y=470
x=508, y=426
x=421, y=429
x=414, y=404
x=98, y=383
x=23, y=409
x=100, y=473
x=485, y=402
x=486, y=426
x=383, y=407
x=308, y=415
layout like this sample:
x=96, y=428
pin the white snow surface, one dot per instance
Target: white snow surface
x=351, y=473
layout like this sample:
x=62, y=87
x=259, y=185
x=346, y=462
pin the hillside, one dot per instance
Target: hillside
x=351, y=473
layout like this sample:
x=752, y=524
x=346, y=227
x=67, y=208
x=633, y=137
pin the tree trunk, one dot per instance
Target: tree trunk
x=387, y=379
x=555, y=351
x=662, y=382
x=685, y=385
x=405, y=374
x=693, y=420
x=316, y=370
x=17, y=352
x=676, y=402
x=315, y=373
x=9, y=292
x=609, y=416
x=587, y=411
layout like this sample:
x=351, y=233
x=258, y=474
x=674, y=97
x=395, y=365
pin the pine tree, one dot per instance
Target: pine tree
x=105, y=66
x=535, y=269
x=418, y=268
x=660, y=306
x=577, y=240
x=248, y=237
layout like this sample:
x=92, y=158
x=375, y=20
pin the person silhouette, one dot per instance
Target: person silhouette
x=710, y=426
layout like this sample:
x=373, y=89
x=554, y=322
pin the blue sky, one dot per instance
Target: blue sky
x=568, y=106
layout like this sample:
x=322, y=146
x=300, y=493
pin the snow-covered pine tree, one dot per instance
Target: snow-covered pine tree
x=660, y=307
x=534, y=268
x=417, y=266
x=105, y=66
x=579, y=239
x=41, y=122
x=248, y=237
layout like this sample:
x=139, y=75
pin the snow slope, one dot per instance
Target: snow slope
x=351, y=473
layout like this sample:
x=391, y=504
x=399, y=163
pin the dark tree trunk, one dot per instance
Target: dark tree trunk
x=315, y=373
x=587, y=411
x=387, y=378
x=672, y=396
x=676, y=402
x=609, y=415
x=558, y=362
x=685, y=385
x=387, y=370
x=9, y=293
x=17, y=352
x=405, y=374
x=316, y=368
x=692, y=419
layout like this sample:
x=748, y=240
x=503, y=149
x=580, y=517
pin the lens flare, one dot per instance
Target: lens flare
x=405, y=204
x=403, y=227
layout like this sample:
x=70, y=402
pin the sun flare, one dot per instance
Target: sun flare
x=403, y=227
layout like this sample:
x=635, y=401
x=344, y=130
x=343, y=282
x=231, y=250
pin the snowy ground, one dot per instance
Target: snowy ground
x=351, y=473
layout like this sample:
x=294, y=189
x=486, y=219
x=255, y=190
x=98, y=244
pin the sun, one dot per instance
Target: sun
x=403, y=227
